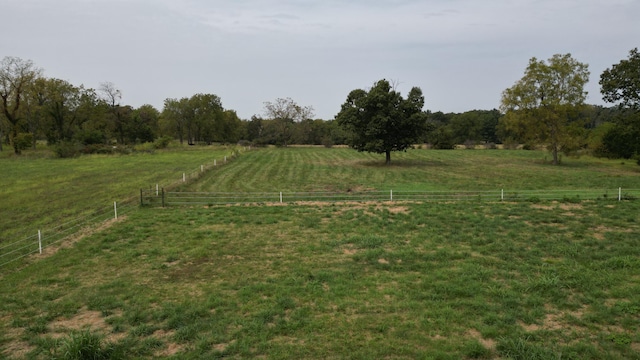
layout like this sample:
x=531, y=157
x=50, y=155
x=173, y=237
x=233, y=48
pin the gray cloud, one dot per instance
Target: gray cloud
x=462, y=53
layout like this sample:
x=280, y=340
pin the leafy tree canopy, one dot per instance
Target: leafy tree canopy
x=542, y=106
x=381, y=120
x=621, y=83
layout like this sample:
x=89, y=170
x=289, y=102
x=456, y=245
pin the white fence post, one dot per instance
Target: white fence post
x=201, y=168
x=280, y=197
x=40, y=241
x=115, y=210
x=502, y=195
x=214, y=162
x=157, y=189
x=184, y=177
x=225, y=158
x=390, y=195
x=619, y=194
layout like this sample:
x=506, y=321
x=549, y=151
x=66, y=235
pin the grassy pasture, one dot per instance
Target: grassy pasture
x=359, y=281
x=341, y=169
x=387, y=280
x=38, y=191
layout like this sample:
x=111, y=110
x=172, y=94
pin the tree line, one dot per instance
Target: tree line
x=545, y=107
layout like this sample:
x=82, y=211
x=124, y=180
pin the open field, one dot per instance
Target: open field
x=341, y=169
x=38, y=191
x=449, y=280
x=360, y=281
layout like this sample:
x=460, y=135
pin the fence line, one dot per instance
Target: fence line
x=168, y=198
x=14, y=251
x=11, y=252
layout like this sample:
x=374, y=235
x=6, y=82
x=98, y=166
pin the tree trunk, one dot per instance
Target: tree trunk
x=14, y=137
x=388, y=155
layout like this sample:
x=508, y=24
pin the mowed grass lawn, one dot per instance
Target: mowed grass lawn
x=359, y=281
x=443, y=280
x=342, y=169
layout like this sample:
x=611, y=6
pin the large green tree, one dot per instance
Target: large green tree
x=621, y=84
x=381, y=120
x=16, y=76
x=543, y=106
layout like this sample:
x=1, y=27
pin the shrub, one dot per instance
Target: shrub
x=162, y=142
x=91, y=137
x=67, y=149
x=23, y=140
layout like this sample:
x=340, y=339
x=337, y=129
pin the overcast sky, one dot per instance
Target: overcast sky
x=461, y=53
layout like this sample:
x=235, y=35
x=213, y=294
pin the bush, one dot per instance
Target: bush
x=162, y=142
x=145, y=147
x=67, y=149
x=23, y=141
x=91, y=137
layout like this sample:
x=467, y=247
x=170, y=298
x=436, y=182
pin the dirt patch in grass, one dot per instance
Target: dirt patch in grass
x=543, y=207
x=84, y=320
x=172, y=348
x=487, y=343
x=16, y=348
x=600, y=231
x=553, y=320
x=567, y=206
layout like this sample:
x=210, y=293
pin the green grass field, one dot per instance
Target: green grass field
x=341, y=169
x=450, y=280
x=39, y=192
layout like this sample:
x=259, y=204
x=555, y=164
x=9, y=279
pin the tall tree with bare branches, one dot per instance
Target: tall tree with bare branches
x=16, y=75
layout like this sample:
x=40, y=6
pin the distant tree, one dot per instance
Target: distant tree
x=200, y=118
x=16, y=75
x=63, y=108
x=542, y=106
x=477, y=126
x=621, y=84
x=381, y=121
x=285, y=112
x=175, y=115
x=112, y=96
x=255, y=129
x=143, y=126
x=231, y=128
x=206, y=118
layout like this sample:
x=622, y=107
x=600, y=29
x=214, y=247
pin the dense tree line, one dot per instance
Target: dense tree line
x=545, y=107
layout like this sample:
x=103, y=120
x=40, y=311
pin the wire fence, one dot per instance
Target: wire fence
x=160, y=197
x=11, y=252
x=37, y=241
